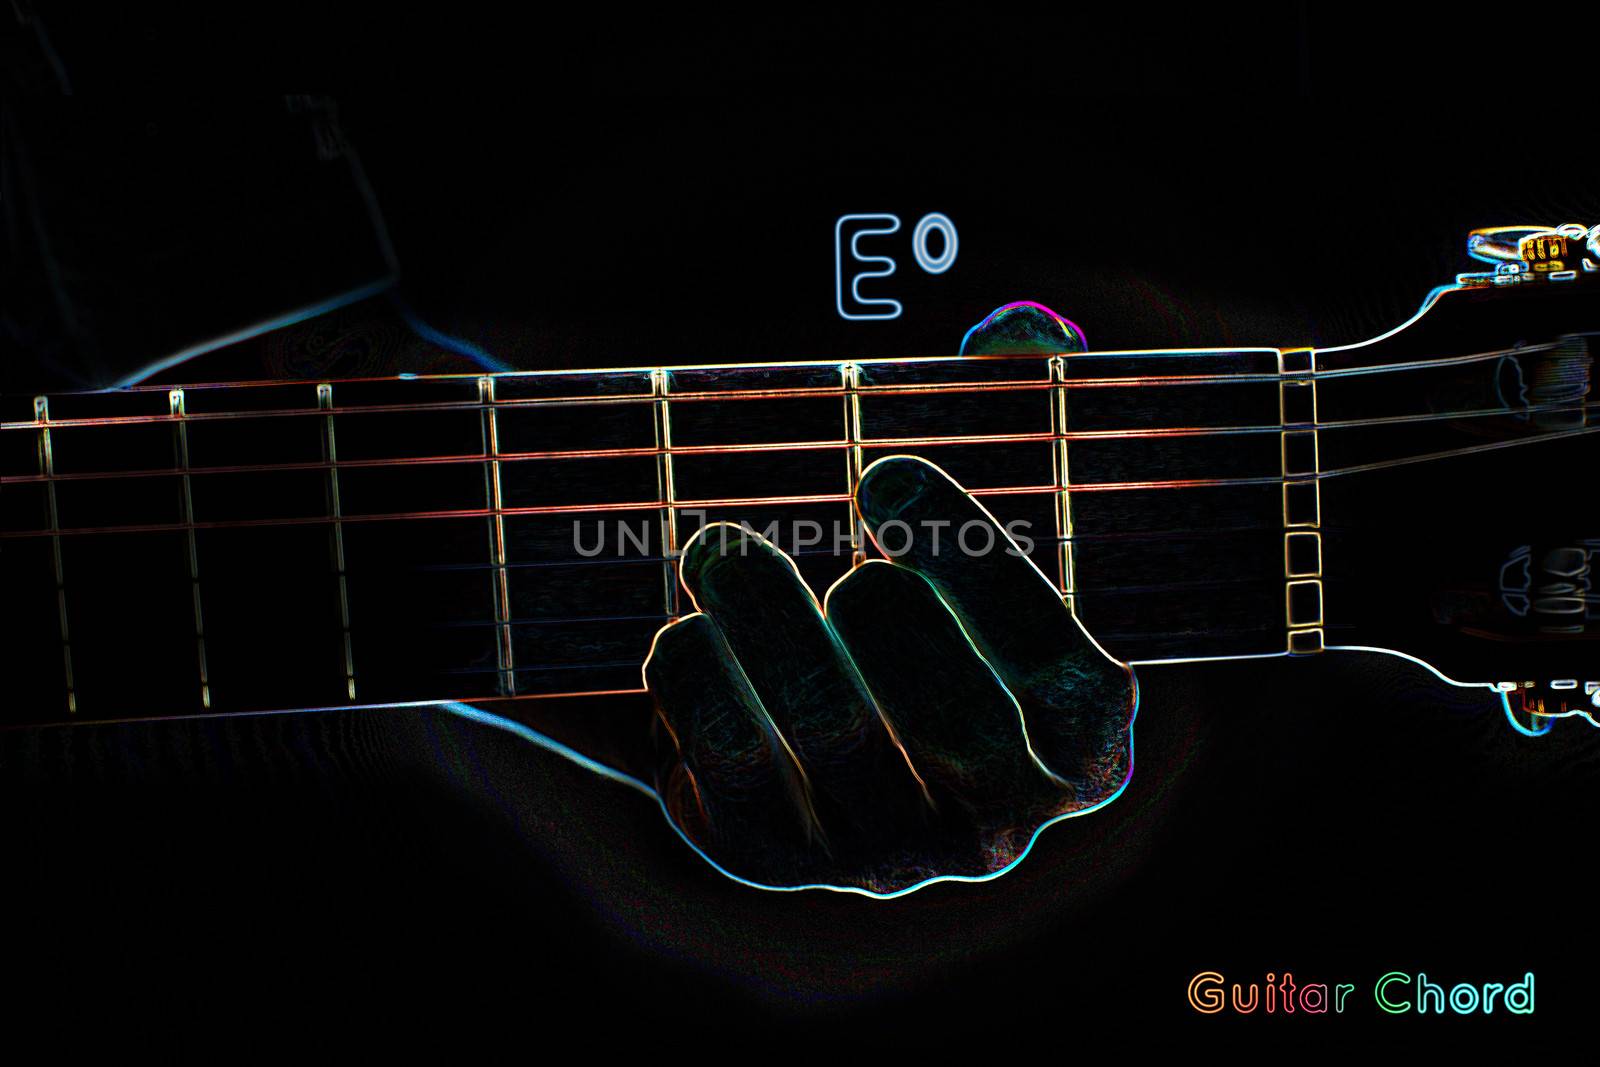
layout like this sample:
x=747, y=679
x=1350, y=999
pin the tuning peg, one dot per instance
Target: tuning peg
x=1533, y=707
x=1527, y=253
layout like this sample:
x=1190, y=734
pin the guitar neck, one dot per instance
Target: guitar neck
x=241, y=547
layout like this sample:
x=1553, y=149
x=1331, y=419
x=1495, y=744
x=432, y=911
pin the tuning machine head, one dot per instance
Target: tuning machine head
x=1565, y=253
x=1545, y=593
x=1533, y=707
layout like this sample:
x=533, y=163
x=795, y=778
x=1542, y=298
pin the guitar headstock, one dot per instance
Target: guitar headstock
x=1457, y=460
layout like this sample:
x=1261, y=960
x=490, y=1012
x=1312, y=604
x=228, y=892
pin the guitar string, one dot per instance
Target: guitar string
x=832, y=366
x=1043, y=436
x=777, y=393
x=885, y=444
x=775, y=447
x=951, y=388
x=348, y=518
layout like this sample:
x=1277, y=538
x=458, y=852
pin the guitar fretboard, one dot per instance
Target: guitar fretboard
x=269, y=545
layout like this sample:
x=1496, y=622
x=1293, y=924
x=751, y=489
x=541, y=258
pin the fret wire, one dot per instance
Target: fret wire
x=180, y=439
x=801, y=446
x=330, y=456
x=665, y=489
x=1065, y=551
x=851, y=373
x=501, y=590
x=47, y=463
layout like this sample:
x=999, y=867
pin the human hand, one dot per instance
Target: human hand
x=926, y=723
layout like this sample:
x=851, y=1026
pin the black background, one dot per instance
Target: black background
x=642, y=189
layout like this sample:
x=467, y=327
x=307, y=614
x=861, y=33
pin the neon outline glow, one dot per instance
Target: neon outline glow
x=855, y=253
x=934, y=220
x=475, y=714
